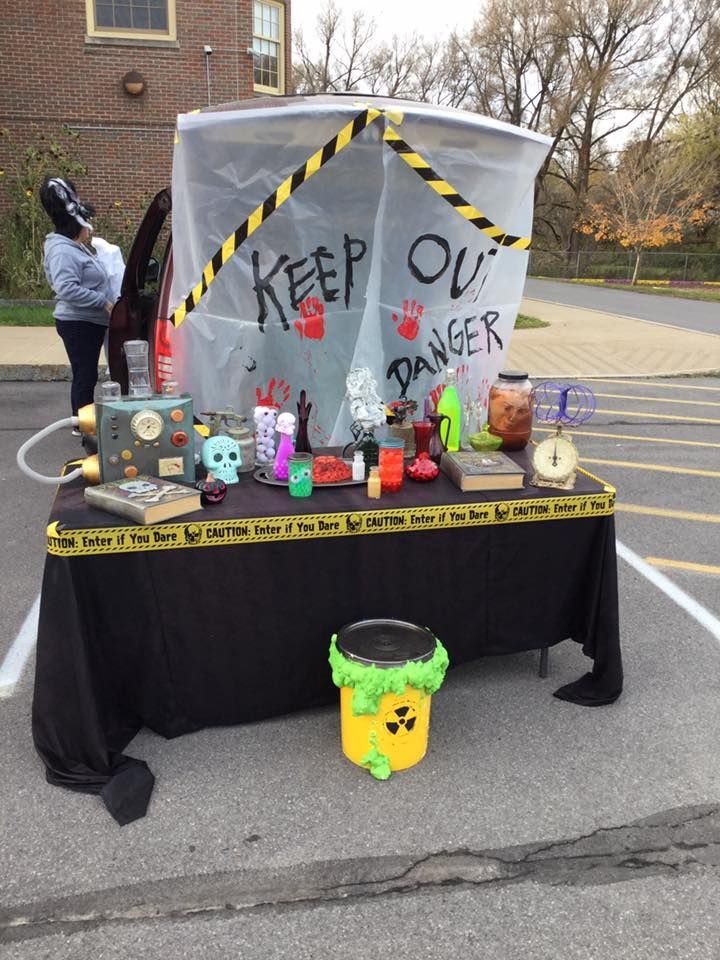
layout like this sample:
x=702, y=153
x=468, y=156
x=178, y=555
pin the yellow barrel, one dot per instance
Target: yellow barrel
x=387, y=671
x=400, y=727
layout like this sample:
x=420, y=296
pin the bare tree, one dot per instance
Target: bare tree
x=348, y=56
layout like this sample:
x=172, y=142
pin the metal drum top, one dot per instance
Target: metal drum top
x=385, y=643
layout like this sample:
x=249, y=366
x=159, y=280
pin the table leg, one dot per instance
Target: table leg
x=544, y=657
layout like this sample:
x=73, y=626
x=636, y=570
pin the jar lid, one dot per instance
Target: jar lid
x=385, y=643
x=392, y=442
x=512, y=375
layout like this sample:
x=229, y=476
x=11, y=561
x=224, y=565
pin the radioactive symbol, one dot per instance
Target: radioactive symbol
x=401, y=720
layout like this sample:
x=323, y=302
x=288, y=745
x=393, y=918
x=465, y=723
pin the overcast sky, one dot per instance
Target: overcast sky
x=393, y=16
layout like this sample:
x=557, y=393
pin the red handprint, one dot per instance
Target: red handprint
x=312, y=324
x=436, y=393
x=410, y=326
x=267, y=399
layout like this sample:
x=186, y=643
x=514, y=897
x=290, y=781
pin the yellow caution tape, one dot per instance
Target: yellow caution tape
x=311, y=166
x=426, y=173
x=246, y=229
x=221, y=533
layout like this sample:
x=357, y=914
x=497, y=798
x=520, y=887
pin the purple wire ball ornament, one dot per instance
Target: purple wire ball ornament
x=567, y=404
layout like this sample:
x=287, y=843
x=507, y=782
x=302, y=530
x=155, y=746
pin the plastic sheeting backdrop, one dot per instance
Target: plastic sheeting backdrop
x=357, y=259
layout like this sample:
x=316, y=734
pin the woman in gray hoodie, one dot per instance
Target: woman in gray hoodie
x=82, y=288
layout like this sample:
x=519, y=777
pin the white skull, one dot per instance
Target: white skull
x=286, y=424
x=136, y=487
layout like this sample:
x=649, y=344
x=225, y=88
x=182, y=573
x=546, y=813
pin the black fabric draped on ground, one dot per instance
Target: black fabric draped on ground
x=177, y=640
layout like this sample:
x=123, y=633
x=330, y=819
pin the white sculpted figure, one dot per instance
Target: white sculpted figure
x=366, y=407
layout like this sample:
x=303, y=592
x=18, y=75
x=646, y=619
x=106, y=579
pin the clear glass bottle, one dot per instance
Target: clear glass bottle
x=510, y=409
x=358, y=466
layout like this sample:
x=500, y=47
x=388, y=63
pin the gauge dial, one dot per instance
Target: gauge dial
x=555, y=459
x=146, y=425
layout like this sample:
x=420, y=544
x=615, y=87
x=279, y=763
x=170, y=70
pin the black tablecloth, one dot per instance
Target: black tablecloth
x=213, y=634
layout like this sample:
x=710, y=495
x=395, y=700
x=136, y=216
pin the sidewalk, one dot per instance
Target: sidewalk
x=578, y=343
x=589, y=343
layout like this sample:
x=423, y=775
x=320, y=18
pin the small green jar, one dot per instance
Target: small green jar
x=300, y=474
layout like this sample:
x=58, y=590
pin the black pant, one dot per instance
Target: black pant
x=82, y=341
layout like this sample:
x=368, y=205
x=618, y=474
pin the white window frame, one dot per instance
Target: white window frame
x=258, y=87
x=128, y=33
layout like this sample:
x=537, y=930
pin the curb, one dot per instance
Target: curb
x=48, y=372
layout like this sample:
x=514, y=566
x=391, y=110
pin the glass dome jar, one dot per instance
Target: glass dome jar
x=510, y=409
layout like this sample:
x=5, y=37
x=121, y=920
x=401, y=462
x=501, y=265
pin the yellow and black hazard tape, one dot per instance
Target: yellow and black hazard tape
x=426, y=173
x=246, y=530
x=311, y=166
x=276, y=199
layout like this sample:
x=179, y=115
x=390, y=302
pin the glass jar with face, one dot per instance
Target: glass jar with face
x=510, y=409
x=300, y=481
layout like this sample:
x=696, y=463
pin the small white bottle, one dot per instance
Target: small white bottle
x=358, y=466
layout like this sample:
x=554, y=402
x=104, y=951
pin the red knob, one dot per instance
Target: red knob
x=179, y=438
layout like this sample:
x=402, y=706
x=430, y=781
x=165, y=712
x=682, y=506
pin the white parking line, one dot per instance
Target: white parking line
x=696, y=610
x=17, y=656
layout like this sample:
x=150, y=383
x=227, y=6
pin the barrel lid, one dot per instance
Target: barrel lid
x=385, y=643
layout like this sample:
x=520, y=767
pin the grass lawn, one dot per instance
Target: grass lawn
x=22, y=316
x=524, y=322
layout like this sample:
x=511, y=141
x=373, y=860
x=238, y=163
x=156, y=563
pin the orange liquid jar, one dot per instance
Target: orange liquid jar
x=510, y=409
x=391, y=464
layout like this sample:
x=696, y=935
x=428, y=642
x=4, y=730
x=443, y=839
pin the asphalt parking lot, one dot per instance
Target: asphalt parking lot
x=532, y=828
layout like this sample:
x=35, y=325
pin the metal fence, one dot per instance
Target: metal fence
x=620, y=265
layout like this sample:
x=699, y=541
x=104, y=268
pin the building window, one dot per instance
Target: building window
x=268, y=45
x=138, y=19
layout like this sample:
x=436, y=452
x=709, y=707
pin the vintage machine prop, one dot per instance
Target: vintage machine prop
x=556, y=458
x=142, y=433
x=387, y=671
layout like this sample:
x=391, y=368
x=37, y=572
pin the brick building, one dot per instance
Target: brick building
x=118, y=72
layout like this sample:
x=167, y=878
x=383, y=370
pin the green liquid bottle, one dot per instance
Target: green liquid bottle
x=449, y=404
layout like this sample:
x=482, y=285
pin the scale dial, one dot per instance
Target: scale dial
x=555, y=459
x=146, y=425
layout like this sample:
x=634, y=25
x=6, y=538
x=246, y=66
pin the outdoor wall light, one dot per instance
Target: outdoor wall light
x=133, y=83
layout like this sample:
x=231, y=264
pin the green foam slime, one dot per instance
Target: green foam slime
x=369, y=683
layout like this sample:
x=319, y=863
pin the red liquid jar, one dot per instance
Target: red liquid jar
x=391, y=457
x=423, y=431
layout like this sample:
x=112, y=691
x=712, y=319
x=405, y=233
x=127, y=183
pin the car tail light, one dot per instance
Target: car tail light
x=163, y=354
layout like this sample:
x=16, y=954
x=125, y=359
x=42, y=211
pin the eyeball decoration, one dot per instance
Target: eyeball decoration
x=300, y=475
x=265, y=418
x=221, y=455
x=211, y=490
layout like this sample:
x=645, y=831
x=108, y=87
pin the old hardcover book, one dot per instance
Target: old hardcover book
x=144, y=499
x=472, y=470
